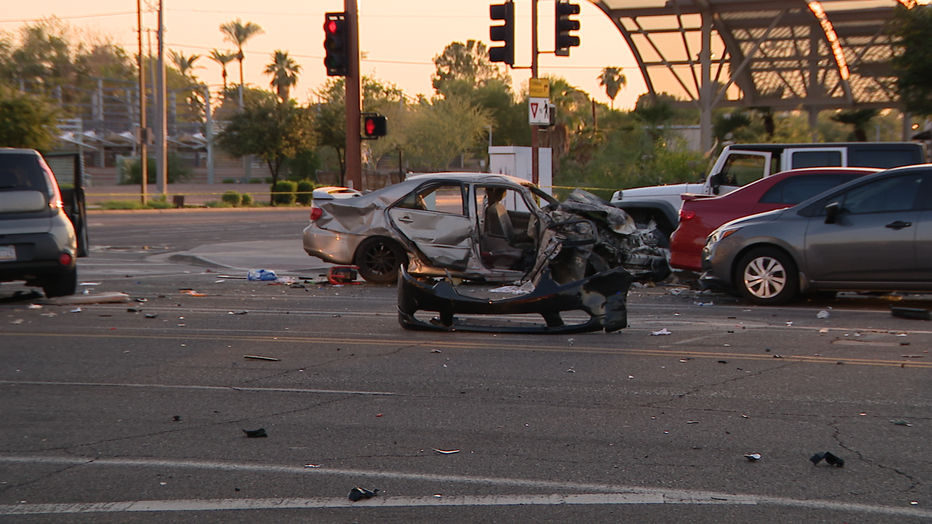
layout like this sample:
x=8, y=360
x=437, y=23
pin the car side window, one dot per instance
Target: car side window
x=796, y=189
x=889, y=194
x=740, y=170
x=442, y=199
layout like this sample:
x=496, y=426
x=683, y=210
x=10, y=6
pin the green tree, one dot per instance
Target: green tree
x=238, y=33
x=612, y=79
x=858, y=119
x=223, y=58
x=284, y=71
x=185, y=64
x=469, y=61
x=912, y=61
x=26, y=121
x=270, y=129
x=443, y=128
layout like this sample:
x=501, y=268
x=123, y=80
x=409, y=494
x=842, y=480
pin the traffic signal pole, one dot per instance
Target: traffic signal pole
x=535, y=139
x=353, y=153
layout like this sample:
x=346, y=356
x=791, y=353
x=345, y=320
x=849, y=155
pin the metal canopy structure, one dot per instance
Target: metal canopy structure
x=781, y=54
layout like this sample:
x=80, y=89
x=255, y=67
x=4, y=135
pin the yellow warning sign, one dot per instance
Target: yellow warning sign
x=539, y=88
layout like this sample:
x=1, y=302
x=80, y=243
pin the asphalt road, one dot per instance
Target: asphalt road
x=134, y=412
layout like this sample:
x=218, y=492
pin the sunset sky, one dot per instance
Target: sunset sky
x=399, y=37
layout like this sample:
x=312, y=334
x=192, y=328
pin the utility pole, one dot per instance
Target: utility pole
x=353, y=152
x=143, y=130
x=161, y=159
x=535, y=139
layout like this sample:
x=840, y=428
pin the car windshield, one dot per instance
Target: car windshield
x=19, y=171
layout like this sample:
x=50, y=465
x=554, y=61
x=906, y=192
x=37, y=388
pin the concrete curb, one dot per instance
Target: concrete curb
x=193, y=210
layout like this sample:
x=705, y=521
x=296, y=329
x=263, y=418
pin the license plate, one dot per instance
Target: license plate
x=7, y=252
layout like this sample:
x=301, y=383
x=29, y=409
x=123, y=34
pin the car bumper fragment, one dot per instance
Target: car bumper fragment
x=602, y=296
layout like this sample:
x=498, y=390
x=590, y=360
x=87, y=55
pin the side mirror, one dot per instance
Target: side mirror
x=831, y=212
x=715, y=181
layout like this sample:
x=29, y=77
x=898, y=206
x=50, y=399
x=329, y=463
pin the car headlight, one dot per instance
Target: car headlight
x=721, y=234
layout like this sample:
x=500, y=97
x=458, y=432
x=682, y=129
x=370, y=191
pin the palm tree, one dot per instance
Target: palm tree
x=183, y=63
x=238, y=34
x=857, y=118
x=284, y=73
x=223, y=59
x=613, y=80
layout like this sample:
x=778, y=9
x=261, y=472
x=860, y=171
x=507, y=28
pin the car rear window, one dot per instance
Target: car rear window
x=796, y=189
x=19, y=172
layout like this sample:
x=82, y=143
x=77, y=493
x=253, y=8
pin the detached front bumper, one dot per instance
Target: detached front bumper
x=602, y=296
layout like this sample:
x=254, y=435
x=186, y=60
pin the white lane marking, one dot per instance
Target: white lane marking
x=591, y=493
x=208, y=388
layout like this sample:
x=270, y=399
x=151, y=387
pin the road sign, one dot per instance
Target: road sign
x=539, y=88
x=539, y=111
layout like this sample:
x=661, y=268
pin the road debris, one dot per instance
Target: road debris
x=358, y=494
x=95, y=298
x=822, y=314
x=76, y=310
x=255, y=433
x=832, y=460
x=312, y=466
x=16, y=322
x=264, y=275
x=900, y=422
x=34, y=306
x=446, y=451
x=662, y=332
x=911, y=313
x=193, y=293
x=152, y=315
x=703, y=304
x=237, y=312
x=753, y=457
x=258, y=357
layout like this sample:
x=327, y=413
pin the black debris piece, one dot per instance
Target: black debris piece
x=176, y=418
x=255, y=433
x=357, y=494
x=830, y=459
x=911, y=313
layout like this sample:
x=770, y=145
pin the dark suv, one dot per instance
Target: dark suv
x=37, y=239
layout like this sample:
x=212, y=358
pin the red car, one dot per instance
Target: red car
x=701, y=214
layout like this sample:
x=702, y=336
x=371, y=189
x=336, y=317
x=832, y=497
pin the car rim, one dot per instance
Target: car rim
x=765, y=277
x=380, y=259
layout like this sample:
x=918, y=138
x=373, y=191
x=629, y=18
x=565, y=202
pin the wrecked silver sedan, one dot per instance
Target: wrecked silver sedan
x=479, y=226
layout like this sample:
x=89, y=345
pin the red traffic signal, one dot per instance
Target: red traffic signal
x=503, y=33
x=564, y=24
x=374, y=125
x=335, y=44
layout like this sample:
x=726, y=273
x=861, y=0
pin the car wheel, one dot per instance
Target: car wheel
x=379, y=260
x=62, y=285
x=767, y=277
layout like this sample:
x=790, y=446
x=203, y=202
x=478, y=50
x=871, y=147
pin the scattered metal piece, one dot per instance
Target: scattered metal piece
x=753, y=457
x=446, y=451
x=911, y=313
x=258, y=357
x=357, y=494
x=255, y=433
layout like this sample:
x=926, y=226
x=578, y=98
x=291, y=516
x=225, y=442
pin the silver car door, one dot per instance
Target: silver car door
x=872, y=239
x=435, y=220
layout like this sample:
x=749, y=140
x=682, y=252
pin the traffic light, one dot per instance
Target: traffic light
x=335, y=44
x=564, y=24
x=503, y=33
x=374, y=125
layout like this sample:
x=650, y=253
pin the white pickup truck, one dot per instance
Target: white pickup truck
x=741, y=164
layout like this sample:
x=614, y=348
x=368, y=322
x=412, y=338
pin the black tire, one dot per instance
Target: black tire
x=379, y=260
x=62, y=285
x=767, y=277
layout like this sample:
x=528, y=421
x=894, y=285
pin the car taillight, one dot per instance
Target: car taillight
x=686, y=214
x=55, y=201
x=316, y=212
x=65, y=259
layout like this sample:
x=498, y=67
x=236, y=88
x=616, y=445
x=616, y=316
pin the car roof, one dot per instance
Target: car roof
x=469, y=177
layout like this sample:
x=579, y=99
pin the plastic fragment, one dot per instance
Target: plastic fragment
x=703, y=304
x=357, y=494
x=663, y=331
x=831, y=459
x=312, y=466
x=255, y=433
x=76, y=310
x=152, y=315
x=35, y=306
x=16, y=322
x=263, y=275
x=446, y=451
x=258, y=357
x=901, y=422
x=193, y=293
x=822, y=314
x=753, y=457
x=911, y=313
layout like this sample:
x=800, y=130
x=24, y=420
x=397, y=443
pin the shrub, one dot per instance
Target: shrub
x=229, y=180
x=232, y=197
x=255, y=181
x=177, y=170
x=247, y=199
x=304, y=192
x=284, y=192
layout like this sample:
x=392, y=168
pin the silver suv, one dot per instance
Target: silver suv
x=37, y=239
